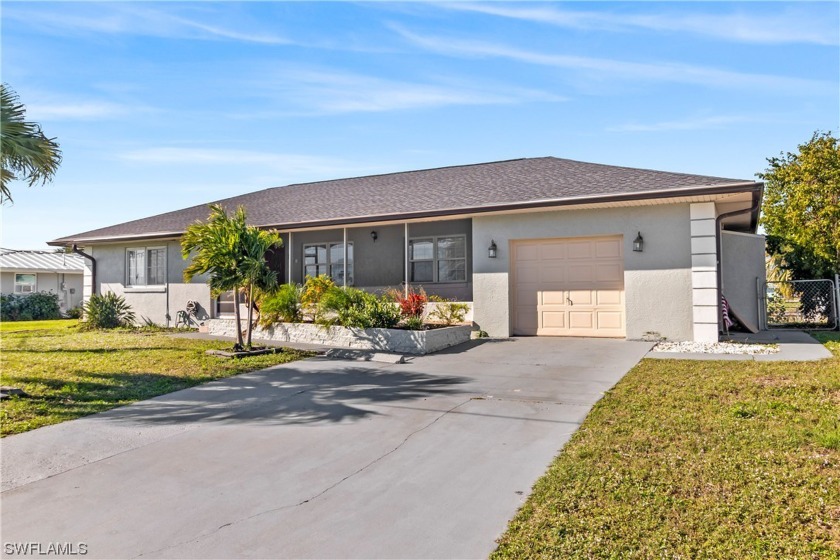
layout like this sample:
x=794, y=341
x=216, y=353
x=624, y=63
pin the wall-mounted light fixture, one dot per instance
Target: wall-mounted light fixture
x=492, y=250
x=639, y=243
x=374, y=235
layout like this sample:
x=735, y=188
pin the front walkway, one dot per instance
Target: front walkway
x=315, y=459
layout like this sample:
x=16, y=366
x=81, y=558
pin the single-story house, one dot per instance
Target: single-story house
x=26, y=272
x=539, y=246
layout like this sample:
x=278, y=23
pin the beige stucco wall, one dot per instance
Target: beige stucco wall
x=151, y=302
x=657, y=281
x=742, y=262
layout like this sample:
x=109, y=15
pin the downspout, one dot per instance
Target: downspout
x=718, y=244
x=92, y=269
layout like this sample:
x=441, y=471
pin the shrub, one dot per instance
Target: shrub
x=38, y=306
x=413, y=323
x=447, y=311
x=314, y=289
x=107, y=311
x=412, y=304
x=284, y=305
x=351, y=307
x=75, y=313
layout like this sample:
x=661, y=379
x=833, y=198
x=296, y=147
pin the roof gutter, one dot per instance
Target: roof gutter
x=718, y=245
x=92, y=267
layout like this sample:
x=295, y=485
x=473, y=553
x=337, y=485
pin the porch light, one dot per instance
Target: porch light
x=638, y=243
x=491, y=250
x=374, y=235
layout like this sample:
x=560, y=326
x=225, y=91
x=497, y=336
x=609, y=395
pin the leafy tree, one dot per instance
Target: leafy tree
x=232, y=253
x=801, y=209
x=27, y=154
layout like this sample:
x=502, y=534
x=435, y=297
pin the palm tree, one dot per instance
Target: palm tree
x=232, y=253
x=27, y=154
x=254, y=267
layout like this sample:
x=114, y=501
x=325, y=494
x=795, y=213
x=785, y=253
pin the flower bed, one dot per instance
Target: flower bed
x=384, y=340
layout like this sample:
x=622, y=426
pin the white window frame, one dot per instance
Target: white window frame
x=329, y=264
x=436, y=260
x=22, y=284
x=146, y=266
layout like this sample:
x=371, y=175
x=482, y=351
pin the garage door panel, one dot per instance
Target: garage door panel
x=608, y=248
x=609, y=320
x=609, y=273
x=580, y=273
x=527, y=321
x=530, y=252
x=553, y=276
x=579, y=250
x=553, y=320
x=581, y=320
x=553, y=251
x=527, y=297
x=581, y=297
x=527, y=274
x=608, y=297
x=553, y=297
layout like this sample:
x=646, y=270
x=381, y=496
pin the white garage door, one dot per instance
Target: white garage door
x=568, y=287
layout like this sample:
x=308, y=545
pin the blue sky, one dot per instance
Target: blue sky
x=161, y=105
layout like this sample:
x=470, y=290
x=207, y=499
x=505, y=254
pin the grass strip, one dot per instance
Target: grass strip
x=688, y=459
x=68, y=374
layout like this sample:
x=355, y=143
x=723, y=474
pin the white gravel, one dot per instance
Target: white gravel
x=716, y=348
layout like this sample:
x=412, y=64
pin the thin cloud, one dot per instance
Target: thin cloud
x=700, y=123
x=94, y=110
x=631, y=71
x=127, y=19
x=289, y=165
x=789, y=26
x=332, y=92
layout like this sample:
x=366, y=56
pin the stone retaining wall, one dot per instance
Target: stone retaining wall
x=385, y=340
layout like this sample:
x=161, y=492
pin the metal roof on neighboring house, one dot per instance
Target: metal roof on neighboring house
x=502, y=185
x=41, y=261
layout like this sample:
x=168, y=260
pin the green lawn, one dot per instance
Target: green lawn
x=69, y=373
x=19, y=326
x=686, y=459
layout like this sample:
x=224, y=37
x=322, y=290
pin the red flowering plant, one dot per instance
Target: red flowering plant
x=412, y=304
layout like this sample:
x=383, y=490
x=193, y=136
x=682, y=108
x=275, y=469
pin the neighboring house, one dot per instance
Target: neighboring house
x=26, y=272
x=540, y=246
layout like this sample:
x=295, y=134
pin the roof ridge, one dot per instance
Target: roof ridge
x=406, y=172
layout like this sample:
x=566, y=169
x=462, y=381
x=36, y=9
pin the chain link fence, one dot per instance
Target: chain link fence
x=801, y=304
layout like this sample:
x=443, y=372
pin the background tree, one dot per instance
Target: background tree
x=232, y=254
x=801, y=209
x=27, y=154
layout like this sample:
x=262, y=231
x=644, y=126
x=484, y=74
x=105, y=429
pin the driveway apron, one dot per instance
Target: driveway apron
x=314, y=459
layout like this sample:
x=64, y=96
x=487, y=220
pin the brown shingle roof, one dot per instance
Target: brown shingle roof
x=447, y=190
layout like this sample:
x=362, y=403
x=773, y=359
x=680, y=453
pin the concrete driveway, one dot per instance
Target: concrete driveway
x=319, y=458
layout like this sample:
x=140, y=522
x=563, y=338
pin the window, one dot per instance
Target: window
x=145, y=266
x=225, y=305
x=25, y=283
x=328, y=258
x=438, y=259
